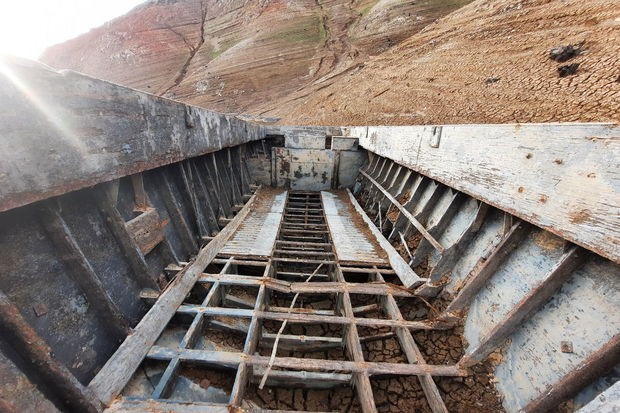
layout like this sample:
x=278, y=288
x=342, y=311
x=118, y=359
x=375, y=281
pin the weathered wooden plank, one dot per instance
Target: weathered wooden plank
x=115, y=374
x=485, y=269
x=301, y=379
x=561, y=177
x=123, y=405
x=596, y=365
x=413, y=354
x=33, y=348
x=82, y=272
x=532, y=301
x=99, y=132
x=231, y=360
x=147, y=229
x=127, y=244
x=312, y=318
x=353, y=346
x=406, y=275
x=413, y=220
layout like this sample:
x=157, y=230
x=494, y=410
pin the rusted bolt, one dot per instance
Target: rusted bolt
x=521, y=189
x=566, y=346
x=558, y=161
x=529, y=156
x=40, y=309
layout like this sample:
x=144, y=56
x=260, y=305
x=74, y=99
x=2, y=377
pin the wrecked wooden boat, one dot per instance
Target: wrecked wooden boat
x=158, y=257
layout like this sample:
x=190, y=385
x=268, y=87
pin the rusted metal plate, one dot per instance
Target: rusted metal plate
x=147, y=229
x=257, y=235
x=351, y=242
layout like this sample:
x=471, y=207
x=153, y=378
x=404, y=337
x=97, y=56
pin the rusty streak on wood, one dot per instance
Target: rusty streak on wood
x=33, y=348
x=595, y=365
x=140, y=197
x=115, y=374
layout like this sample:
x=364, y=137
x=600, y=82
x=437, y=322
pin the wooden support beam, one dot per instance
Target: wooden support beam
x=406, y=275
x=406, y=213
x=312, y=318
x=82, y=273
x=25, y=340
x=232, y=360
x=517, y=166
x=301, y=379
x=123, y=405
x=147, y=229
x=174, y=211
x=128, y=246
x=594, y=366
x=485, y=270
x=115, y=374
x=317, y=287
x=413, y=354
x=140, y=198
x=532, y=301
x=354, y=348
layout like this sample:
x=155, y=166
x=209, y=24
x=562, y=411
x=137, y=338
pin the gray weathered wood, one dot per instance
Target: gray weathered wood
x=82, y=272
x=98, y=131
x=413, y=220
x=406, y=275
x=163, y=406
x=147, y=229
x=594, y=366
x=561, y=177
x=232, y=360
x=115, y=374
x=17, y=331
x=127, y=244
x=532, y=301
x=485, y=269
x=413, y=354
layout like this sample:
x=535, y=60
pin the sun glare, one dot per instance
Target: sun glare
x=28, y=27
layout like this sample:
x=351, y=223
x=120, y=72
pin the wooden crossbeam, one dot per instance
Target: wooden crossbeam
x=232, y=360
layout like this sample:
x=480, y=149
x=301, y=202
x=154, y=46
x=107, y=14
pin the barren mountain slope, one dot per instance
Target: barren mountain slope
x=487, y=62
x=242, y=55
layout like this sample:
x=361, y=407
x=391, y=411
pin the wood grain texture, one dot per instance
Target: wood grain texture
x=115, y=374
x=564, y=178
x=62, y=131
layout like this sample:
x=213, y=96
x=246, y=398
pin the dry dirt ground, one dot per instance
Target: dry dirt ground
x=488, y=62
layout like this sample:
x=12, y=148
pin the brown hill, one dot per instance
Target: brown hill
x=488, y=62
x=241, y=55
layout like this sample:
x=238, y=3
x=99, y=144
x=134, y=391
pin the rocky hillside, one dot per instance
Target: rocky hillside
x=243, y=55
x=488, y=62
